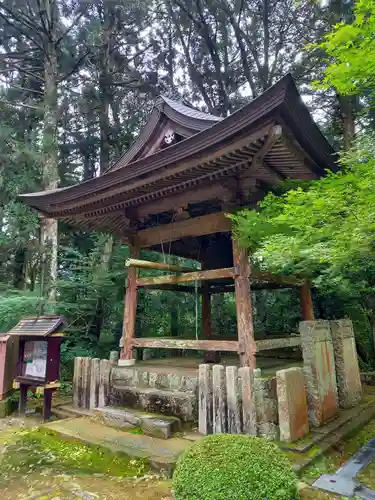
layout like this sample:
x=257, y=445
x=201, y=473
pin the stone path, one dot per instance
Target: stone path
x=162, y=453
x=343, y=482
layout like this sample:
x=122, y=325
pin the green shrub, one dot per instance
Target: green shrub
x=234, y=467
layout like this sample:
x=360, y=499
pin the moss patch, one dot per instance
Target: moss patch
x=40, y=449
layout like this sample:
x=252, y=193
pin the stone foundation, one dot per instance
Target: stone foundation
x=155, y=392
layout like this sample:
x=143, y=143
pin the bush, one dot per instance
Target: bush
x=234, y=467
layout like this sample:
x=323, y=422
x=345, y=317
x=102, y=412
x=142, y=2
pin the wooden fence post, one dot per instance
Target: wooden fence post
x=77, y=382
x=247, y=397
x=219, y=400
x=205, y=399
x=94, y=382
x=233, y=401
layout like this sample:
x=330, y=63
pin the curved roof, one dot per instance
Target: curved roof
x=227, y=147
x=183, y=119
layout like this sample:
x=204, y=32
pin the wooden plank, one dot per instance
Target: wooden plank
x=146, y=264
x=205, y=399
x=104, y=379
x=245, y=325
x=94, y=382
x=277, y=343
x=210, y=274
x=77, y=382
x=233, y=400
x=197, y=345
x=130, y=309
x=219, y=424
x=86, y=377
x=249, y=424
x=307, y=307
x=198, y=226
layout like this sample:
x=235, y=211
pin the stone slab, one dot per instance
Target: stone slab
x=118, y=417
x=292, y=404
x=336, y=484
x=319, y=370
x=364, y=456
x=347, y=369
x=161, y=453
x=159, y=427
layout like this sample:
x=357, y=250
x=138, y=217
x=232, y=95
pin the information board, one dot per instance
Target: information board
x=35, y=357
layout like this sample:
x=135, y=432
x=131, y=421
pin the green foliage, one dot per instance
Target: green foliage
x=15, y=306
x=326, y=231
x=234, y=467
x=351, y=49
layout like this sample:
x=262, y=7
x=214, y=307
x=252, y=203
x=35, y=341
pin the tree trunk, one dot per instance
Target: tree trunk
x=347, y=120
x=49, y=231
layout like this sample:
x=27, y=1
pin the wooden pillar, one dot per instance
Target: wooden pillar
x=245, y=326
x=307, y=309
x=47, y=404
x=130, y=310
x=23, y=400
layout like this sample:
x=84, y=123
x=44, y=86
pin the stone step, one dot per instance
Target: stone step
x=162, y=454
x=180, y=404
x=159, y=426
x=154, y=377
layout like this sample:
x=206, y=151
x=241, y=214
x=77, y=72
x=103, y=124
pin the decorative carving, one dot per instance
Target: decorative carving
x=169, y=138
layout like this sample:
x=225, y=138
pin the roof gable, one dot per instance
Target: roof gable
x=167, y=116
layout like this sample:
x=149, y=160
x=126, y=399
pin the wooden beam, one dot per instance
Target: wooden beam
x=307, y=307
x=266, y=277
x=146, y=264
x=197, y=345
x=277, y=343
x=210, y=274
x=198, y=226
x=173, y=288
x=245, y=326
x=130, y=310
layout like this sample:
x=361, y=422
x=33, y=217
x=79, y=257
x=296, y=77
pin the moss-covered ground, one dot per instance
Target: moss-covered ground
x=37, y=464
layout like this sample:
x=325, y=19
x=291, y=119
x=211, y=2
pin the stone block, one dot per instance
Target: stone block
x=347, y=369
x=319, y=370
x=205, y=399
x=162, y=428
x=219, y=400
x=292, y=404
x=115, y=417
